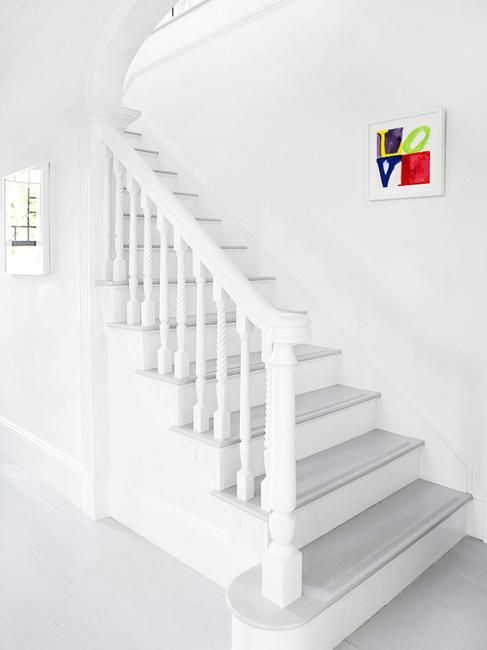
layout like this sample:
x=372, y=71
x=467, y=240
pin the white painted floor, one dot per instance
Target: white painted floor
x=444, y=609
x=69, y=583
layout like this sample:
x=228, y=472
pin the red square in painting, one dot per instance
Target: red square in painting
x=415, y=168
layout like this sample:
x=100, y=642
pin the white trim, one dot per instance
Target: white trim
x=209, y=36
x=393, y=382
x=52, y=466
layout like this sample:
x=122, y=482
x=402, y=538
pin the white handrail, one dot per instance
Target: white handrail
x=257, y=309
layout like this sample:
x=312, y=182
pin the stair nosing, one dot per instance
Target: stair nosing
x=235, y=371
x=231, y=319
x=173, y=281
x=156, y=247
x=202, y=219
x=149, y=151
x=302, y=418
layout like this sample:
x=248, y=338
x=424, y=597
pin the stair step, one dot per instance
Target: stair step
x=182, y=195
x=309, y=406
x=303, y=353
x=329, y=470
x=124, y=283
x=149, y=151
x=165, y=171
x=338, y=562
x=229, y=247
x=210, y=320
x=200, y=219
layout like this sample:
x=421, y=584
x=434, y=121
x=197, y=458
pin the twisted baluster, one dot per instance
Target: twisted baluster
x=133, y=305
x=119, y=264
x=245, y=476
x=181, y=358
x=265, y=496
x=201, y=420
x=148, y=306
x=107, y=268
x=164, y=354
x=221, y=418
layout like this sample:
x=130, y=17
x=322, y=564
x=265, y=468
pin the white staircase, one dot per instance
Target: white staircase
x=297, y=456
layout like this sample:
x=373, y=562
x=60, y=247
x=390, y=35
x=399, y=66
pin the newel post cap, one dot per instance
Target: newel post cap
x=290, y=328
x=92, y=112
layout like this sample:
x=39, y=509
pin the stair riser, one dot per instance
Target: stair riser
x=327, y=631
x=114, y=300
x=309, y=375
x=235, y=255
x=311, y=437
x=212, y=227
x=150, y=343
x=326, y=513
x=319, y=517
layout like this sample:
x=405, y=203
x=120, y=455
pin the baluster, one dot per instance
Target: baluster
x=119, y=264
x=181, y=358
x=107, y=269
x=245, y=477
x=201, y=420
x=148, y=307
x=133, y=305
x=164, y=354
x=282, y=562
x=221, y=417
x=265, y=488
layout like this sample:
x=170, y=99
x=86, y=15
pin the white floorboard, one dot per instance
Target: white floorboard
x=69, y=583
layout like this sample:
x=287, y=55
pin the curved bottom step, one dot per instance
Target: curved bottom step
x=351, y=572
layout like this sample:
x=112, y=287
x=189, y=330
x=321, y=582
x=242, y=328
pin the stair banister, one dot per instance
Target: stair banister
x=281, y=331
x=236, y=285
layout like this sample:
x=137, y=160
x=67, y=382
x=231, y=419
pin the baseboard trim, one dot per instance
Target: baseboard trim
x=49, y=464
x=477, y=518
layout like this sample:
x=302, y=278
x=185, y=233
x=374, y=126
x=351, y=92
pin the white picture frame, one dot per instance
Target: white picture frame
x=25, y=221
x=406, y=156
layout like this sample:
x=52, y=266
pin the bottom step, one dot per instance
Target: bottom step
x=351, y=572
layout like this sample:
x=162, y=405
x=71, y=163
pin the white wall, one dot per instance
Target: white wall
x=274, y=113
x=45, y=50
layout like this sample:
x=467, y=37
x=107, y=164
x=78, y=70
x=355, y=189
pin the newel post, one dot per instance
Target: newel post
x=95, y=223
x=282, y=581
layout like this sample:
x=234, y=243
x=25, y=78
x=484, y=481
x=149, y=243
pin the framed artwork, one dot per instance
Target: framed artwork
x=406, y=157
x=26, y=221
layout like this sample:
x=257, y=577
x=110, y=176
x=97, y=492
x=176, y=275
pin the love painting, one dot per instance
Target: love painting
x=407, y=156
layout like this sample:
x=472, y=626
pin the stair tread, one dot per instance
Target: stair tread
x=201, y=219
x=124, y=283
x=336, y=563
x=225, y=247
x=331, y=469
x=309, y=406
x=231, y=317
x=303, y=352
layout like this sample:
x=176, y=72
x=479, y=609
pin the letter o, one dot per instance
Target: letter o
x=407, y=144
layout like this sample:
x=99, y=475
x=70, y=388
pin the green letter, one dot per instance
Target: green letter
x=407, y=144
